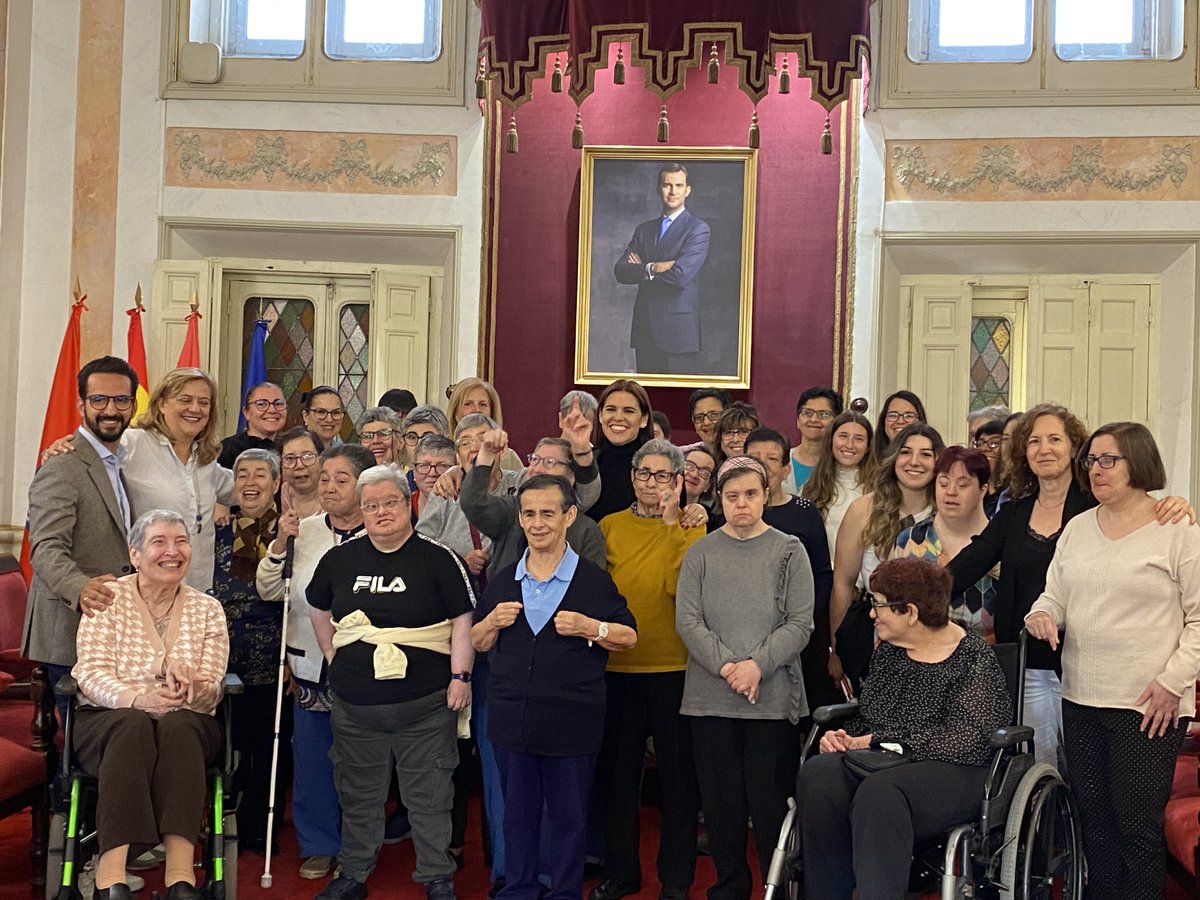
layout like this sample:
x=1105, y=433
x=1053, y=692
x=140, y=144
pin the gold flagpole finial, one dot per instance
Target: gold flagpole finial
x=76, y=290
x=137, y=297
x=195, y=301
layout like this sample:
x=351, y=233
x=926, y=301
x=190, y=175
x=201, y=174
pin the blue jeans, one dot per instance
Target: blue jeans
x=315, y=810
x=1043, y=713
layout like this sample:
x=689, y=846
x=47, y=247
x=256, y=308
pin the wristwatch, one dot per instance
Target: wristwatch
x=464, y=677
x=601, y=633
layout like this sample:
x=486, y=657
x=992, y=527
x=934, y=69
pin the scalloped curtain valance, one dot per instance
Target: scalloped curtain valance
x=668, y=37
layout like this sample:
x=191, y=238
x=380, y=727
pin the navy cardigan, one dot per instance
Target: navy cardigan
x=546, y=692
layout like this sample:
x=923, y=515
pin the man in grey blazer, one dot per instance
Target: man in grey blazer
x=79, y=516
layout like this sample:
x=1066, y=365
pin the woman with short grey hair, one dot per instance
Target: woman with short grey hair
x=434, y=457
x=421, y=421
x=379, y=430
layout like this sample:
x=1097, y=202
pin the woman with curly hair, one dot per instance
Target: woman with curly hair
x=844, y=473
x=903, y=495
x=1022, y=538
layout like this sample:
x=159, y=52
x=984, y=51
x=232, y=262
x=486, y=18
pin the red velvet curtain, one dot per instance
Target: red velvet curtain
x=668, y=37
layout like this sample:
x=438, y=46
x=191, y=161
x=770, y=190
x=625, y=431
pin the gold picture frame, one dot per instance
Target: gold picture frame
x=684, y=329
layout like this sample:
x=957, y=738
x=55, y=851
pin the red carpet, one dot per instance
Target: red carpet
x=390, y=881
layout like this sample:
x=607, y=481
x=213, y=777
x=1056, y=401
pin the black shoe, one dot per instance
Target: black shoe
x=118, y=891
x=442, y=889
x=181, y=890
x=611, y=889
x=343, y=888
x=673, y=893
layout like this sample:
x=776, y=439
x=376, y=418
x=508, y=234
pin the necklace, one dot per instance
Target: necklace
x=641, y=515
x=1055, y=506
x=163, y=621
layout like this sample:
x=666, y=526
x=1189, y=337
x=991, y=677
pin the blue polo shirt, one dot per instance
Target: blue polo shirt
x=541, y=598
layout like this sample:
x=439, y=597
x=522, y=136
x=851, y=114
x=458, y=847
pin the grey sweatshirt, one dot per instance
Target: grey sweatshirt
x=740, y=600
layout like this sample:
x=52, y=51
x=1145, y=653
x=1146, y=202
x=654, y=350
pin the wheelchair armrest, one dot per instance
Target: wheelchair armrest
x=66, y=686
x=233, y=684
x=1011, y=735
x=825, y=715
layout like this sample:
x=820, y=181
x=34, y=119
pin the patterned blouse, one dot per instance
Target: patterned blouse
x=972, y=609
x=254, y=624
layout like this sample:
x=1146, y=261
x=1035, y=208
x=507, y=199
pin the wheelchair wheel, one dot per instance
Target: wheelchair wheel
x=1042, y=856
x=784, y=876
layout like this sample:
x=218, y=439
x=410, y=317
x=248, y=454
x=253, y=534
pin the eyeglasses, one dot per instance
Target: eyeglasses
x=690, y=468
x=823, y=415
x=370, y=508
x=382, y=434
x=436, y=468
x=701, y=418
x=336, y=414
x=736, y=432
x=548, y=461
x=292, y=460
x=263, y=405
x=988, y=443
x=411, y=437
x=659, y=477
x=467, y=443
x=906, y=417
x=100, y=402
x=1104, y=461
x=886, y=604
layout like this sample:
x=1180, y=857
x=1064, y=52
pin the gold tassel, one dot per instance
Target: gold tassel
x=511, y=142
x=664, y=127
x=785, y=78
x=619, y=66
x=827, y=139
x=754, y=131
x=480, y=83
x=577, y=133
x=714, y=67
x=556, y=78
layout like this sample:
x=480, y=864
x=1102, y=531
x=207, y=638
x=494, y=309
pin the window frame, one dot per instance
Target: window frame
x=950, y=53
x=233, y=28
x=1043, y=80
x=314, y=76
x=1141, y=10
x=334, y=27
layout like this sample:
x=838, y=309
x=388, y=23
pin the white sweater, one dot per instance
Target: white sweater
x=1131, y=610
x=315, y=538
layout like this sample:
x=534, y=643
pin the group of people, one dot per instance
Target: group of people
x=451, y=605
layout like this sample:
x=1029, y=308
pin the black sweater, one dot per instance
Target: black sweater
x=615, y=463
x=546, y=692
x=1023, y=567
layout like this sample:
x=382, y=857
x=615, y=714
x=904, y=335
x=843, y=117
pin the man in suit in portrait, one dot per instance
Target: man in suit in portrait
x=79, y=517
x=664, y=259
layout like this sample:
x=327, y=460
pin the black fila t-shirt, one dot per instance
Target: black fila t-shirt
x=422, y=583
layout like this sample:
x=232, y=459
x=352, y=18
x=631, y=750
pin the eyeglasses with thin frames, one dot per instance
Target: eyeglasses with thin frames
x=371, y=507
x=292, y=460
x=335, y=414
x=262, y=404
x=906, y=417
x=822, y=415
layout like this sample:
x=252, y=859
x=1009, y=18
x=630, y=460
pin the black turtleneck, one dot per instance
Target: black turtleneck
x=615, y=462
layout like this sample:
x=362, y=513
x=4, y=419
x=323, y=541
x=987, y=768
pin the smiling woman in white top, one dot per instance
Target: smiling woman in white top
x=1127, y=592
x=171, y=462
x=845, y=471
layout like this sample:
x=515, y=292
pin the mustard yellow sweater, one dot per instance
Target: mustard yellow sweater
x=644, y=556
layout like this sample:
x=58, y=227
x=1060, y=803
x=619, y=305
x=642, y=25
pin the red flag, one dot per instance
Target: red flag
x=62, y=409
x=189, y=356
x=136, y=355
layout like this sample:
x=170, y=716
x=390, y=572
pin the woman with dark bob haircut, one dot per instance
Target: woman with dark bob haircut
x=1127, y=591
x=936, y=693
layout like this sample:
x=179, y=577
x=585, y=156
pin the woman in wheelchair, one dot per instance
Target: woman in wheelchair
x=150, y=670
x=913, y=762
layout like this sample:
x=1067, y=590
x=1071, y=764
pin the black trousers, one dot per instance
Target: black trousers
x=641, y=706
x=746, y=769
x=1121, y=780
x=253, y=734
x=150, y=771
x=860, y=832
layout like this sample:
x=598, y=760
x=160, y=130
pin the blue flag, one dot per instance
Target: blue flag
x=256, y=366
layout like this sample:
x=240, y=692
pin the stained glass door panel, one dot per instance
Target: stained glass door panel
x=991, y=361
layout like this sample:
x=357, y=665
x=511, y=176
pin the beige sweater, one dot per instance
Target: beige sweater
x=121, y=655
x=1131, y=610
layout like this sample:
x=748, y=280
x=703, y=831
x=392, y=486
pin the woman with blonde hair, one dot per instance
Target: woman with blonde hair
x=474, y=395
x=845, y=471
x=171, y=462
x=903, y=496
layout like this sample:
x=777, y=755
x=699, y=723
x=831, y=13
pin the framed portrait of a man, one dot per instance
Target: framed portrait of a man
x=666, y=266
